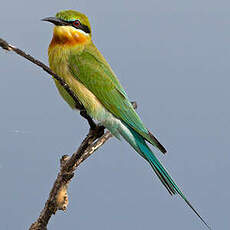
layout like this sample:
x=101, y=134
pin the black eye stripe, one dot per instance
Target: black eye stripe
x=84, y=28
x=80, y=26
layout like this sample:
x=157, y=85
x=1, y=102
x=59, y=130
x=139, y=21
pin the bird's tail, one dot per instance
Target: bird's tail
x=138, y=143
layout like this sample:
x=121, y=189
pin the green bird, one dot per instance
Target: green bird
x=75, y=58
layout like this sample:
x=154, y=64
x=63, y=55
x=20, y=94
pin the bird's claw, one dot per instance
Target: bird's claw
x=98, y=131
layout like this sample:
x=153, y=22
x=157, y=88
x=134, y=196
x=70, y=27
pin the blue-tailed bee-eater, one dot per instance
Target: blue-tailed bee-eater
x=75, y=58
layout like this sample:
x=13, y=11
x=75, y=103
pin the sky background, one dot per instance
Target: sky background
x=172, y=57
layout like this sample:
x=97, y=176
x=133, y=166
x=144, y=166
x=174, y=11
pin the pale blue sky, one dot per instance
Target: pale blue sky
x=172, y=57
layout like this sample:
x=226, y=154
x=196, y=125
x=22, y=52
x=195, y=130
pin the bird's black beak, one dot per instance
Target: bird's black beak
x=55, y=21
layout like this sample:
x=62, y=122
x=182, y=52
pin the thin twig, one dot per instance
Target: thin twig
x=5, y=45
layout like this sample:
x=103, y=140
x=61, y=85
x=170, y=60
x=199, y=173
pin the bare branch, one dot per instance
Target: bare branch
x=58, y=197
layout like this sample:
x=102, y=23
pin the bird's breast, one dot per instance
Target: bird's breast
x=58, y=60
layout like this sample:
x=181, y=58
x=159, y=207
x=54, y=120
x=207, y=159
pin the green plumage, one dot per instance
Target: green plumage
x=91, y=70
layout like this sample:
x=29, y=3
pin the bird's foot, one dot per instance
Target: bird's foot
x=98, y=131
x=95, y=130
x=84, y=114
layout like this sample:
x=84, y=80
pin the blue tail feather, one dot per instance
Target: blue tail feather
x=158, y=168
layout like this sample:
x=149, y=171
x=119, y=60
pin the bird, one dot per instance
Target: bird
x=74, y=57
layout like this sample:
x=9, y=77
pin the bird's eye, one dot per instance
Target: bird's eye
x=76, y=23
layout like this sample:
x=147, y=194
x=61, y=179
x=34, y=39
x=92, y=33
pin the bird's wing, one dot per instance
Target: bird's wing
x=91, y=69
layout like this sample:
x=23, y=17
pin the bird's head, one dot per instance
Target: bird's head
x=71, y=28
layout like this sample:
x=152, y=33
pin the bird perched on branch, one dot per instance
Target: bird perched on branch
x=75, y=58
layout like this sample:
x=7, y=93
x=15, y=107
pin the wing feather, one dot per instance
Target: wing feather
x=91, y=69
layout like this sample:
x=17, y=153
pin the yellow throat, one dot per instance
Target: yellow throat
x=69, y=36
